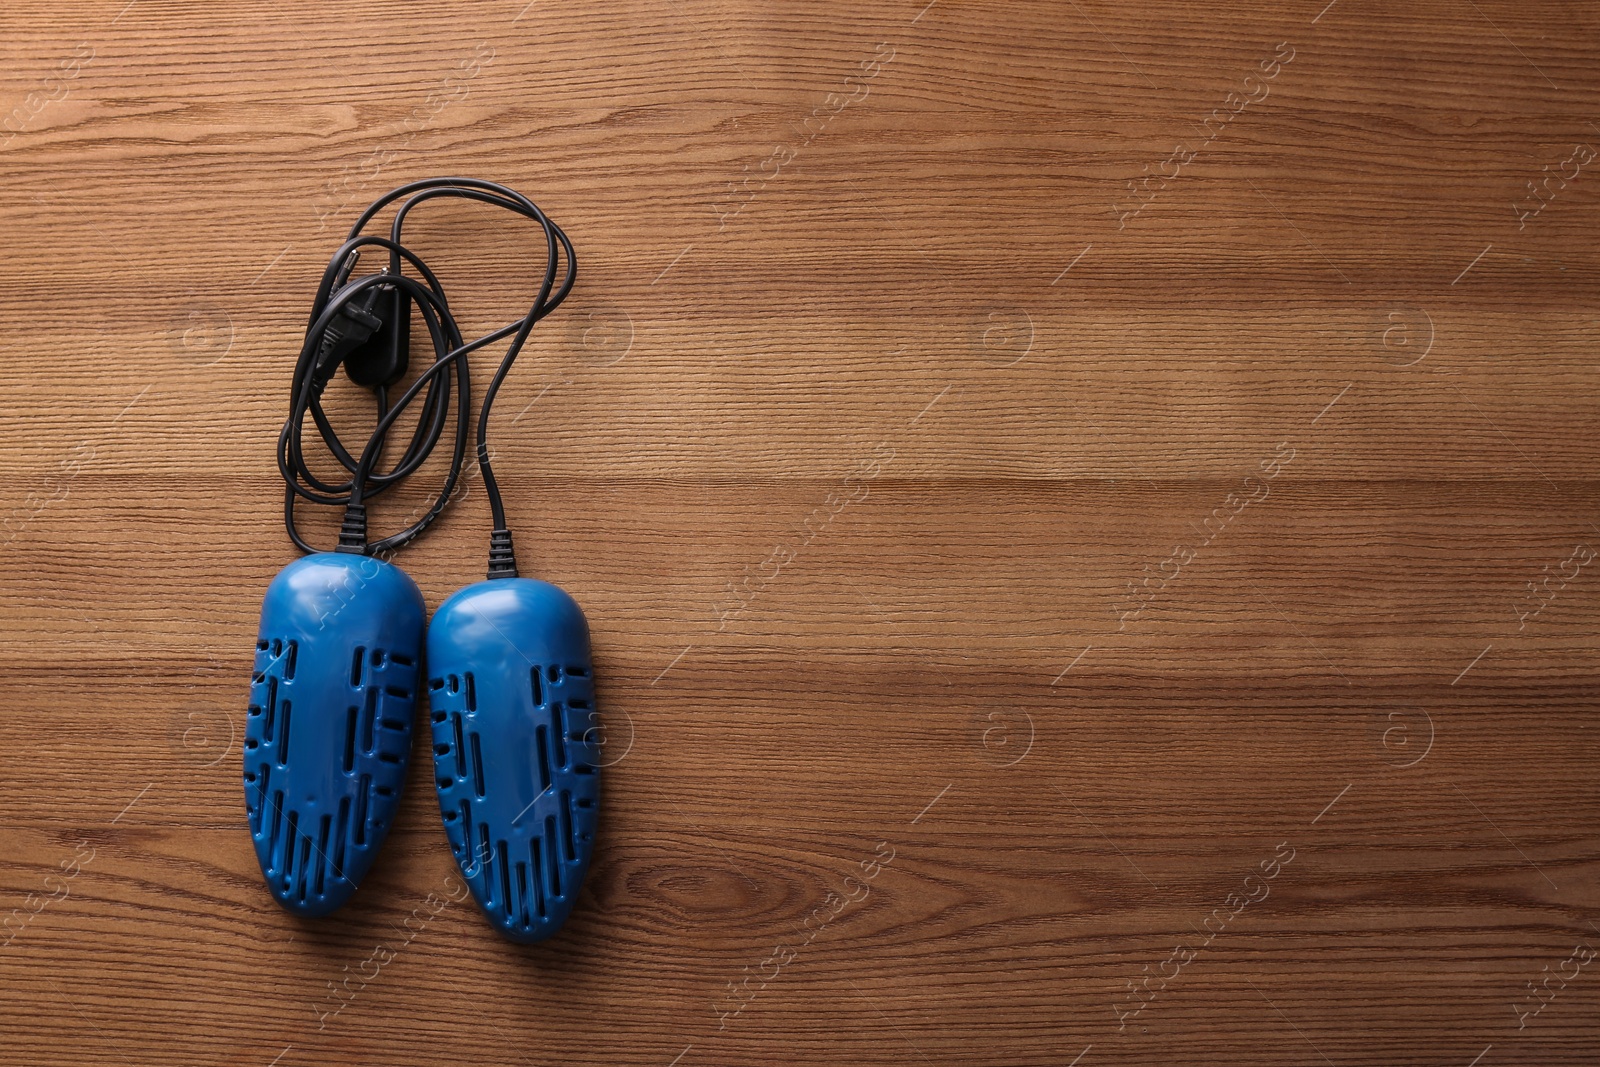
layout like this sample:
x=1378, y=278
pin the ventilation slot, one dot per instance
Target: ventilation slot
x=368, y=713
x=288, y=664
x=560, y=735
x=322, y=851
x=505, y=878
x=355, y=666
x=472, y=693
x=555, y=674
x=272, y=708
x=339, y=836
x=538, y=876
x=461, y=753
x=361, y=810
x=565, y=811
x=538, y=687
x=578, y=672
x=291, y=842
x=283, y=737
x=305, y=863
x=477, y=767
x=401, y=661
x=466, y=830
x=350, y=717
x=553, y=860
x=488, y=860
x=522, y=893
x=544, y=756
x=277, y=824
x=583, y=719
x=262, y=777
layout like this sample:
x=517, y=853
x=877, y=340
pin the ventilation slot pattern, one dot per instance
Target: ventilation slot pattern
x=315, y=827
x=523, y=844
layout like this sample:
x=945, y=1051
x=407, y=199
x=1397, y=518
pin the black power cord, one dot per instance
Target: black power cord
x=364, y=324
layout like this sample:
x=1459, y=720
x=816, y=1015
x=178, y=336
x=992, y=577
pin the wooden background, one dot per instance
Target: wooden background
x=1058, y=569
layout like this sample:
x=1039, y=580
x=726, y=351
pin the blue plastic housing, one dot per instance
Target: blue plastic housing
x=515, y=748
x=328, y=735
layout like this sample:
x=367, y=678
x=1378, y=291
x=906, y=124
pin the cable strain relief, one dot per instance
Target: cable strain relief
x=353, y=533
x=502, y=556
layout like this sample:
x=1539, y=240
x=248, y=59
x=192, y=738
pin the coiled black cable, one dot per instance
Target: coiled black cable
x=345, y=317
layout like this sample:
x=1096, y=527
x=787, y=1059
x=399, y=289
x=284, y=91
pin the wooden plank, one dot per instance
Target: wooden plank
x=1059, y=570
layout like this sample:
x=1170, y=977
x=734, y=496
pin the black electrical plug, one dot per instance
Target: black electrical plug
x=371, y=336
x=350, y=329
x=380, y=358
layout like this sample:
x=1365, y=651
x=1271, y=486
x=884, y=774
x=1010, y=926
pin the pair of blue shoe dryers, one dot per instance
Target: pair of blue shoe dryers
x=340, y=663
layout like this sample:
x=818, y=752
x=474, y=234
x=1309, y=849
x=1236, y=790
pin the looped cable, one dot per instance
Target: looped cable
x=346, y=314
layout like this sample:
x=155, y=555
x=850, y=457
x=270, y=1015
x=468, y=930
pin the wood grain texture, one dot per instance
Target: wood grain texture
x=1102, y=567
